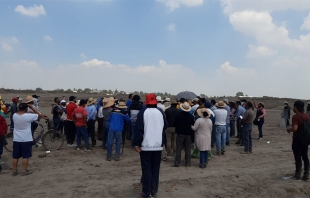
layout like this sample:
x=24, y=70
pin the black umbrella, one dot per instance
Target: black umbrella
x=187, y=95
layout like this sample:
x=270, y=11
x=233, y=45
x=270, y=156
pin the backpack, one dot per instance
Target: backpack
x=305, y=132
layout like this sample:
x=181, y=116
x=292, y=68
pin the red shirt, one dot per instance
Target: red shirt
x=298, y=120
x=3, y=126
x=69, y=110
x=79, y=114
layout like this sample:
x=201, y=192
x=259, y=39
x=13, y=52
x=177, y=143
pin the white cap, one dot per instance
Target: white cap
x=63, y=101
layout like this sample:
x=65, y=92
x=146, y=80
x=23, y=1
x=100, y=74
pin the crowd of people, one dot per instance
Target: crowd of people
x=157, y=128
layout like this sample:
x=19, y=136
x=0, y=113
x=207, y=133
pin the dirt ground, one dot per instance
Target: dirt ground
x=71, y=173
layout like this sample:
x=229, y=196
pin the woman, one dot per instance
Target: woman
x=232, y=119
x=260, y=117
x=203, y=130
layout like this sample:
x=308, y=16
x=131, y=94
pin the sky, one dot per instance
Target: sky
x=211, y=47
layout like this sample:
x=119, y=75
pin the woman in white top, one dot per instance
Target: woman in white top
x=203, y=130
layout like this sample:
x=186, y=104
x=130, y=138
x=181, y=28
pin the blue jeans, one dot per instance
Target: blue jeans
x=247, y=137
x=220, y=138
x=82, y=132
x=227, y=132
x=203, y=157
x=105, y=130
x=260, y=128
x=56, y=124
x=118, y=142
x=12, y=124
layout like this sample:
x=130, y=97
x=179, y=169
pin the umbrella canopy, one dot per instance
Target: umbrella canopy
x=187, y=95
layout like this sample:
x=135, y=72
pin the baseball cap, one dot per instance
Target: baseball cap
x=150, y=99
x=14, y=99
x=71, y=98
x=23, y=106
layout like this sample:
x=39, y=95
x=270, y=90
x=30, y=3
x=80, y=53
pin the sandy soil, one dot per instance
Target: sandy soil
x=71, y=173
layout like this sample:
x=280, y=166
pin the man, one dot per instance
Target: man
x=195, y=104
x=160, y=103
x=213, y=106
x=148, y=141
x=118, y=118
x=108, y=106
x=171, y=114
x=287, y=110
x=227, y=108
x=167, y=103
x=13, y=110
x=36, y=102
x=220, y=130
x=57, y=112
x=182, y=123
x=129, y=101
x=133, y=111
x=3, y=131
x=79, y=117
x=300, y=150
x=22, y=136
x=71, y=131
x=91, y=119
x=246, y=122
x=239, y=112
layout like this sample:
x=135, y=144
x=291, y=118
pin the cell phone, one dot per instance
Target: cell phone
x=241, y=117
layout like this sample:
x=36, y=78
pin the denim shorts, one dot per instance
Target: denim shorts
x=22, y=149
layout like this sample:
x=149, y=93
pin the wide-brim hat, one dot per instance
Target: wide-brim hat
x=29, y=99
x=174, y=101
x=121, y=105
x=91, y=101
x=167, y=100
x=200, y=112
x=262, y=104
x=185, y=107
x=150, y=99
x=108, y=102
x=195, y=100
x=226, y=101
x=220, y=104
x=158, y=98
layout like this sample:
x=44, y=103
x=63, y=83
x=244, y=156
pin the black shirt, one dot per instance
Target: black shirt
x=171, y=114
x=183, y=122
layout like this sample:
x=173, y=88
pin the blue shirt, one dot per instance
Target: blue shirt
x=128, y=103
x=91, y=112
x=117, y=120
x=240, y=111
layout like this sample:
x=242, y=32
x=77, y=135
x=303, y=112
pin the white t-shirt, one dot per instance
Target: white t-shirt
x=22, y=127
x=220, y=116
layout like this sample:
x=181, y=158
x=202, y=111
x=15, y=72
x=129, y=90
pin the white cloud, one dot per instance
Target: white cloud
x=171, y=27
x=24, y=64
x=306, y=24
x=97, y=63
x=260, y=51
x=47, y=38
x=174, y=4
x=32, y=11
x=8, y=43
x=231, y=6
x=83, y=55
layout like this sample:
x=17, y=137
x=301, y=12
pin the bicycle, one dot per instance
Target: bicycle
x=51, y=140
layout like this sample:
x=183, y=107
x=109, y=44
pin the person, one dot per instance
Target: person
x=182, y=100
x=246, y=122
x=63, y=117
x=129, y=101
x=148, y=141
x=108, y=104
x=3, y=131
x=79, y=117
x=287, y=109
x=171, y=114
x=220, y=130
x=232, y=118
x=57, y=112
x=133, y=111
x=22, y=136
x=182, y=123
x=260, y=116
x=117, y=119
x=213, y=105
x=203, y=130
x=308, y=109
x=195, y=104
x=300, y=150
x=91, y=119
x=13, y=110
x=227, y=108
x=70, y=126
x=100, y=119
x=167, y=103
x=239, y=115
x=160, y=103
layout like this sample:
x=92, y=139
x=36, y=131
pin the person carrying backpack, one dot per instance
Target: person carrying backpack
x=300, y=128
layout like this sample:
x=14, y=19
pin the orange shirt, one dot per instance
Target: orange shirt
x=79, y=114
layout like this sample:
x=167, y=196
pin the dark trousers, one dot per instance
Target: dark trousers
x=150, y=165
x=213, y=136
x=183, y=141
x=247, y=137
x=105, y=131
x=300, y=152
x=260, y=128
x=232, y=128
x=1, y=149
x=91, y=131
x=239, y=130
x=100, y=125
x=71, y=131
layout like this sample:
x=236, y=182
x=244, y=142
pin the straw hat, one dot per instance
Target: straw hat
x=185, y=107
x=174, y=101
x=200, y=112
x=220, y=104
x=121, y=105
x=262, y=104
x=108, y=102
x=226, y=101
x=28, y=99
x=91, y=101
x=158, y=98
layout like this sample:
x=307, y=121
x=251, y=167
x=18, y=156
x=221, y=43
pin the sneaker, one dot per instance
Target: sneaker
x=305, y=178
x=69, y=145
x=38, y=144
x=260, y=138
x=109, y=159
x=88, y=149
x=40, y=141
x=1, y=161
x=73, y=145
x=77, y=148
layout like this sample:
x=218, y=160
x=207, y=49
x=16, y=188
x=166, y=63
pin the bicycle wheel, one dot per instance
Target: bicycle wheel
x=8, y=144
x=37, y=135
x=53, y=140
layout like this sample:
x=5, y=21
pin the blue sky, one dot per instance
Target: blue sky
x=215, y=47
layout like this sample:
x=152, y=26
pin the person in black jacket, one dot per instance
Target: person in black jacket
x=134, y=108
x=183, y=122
